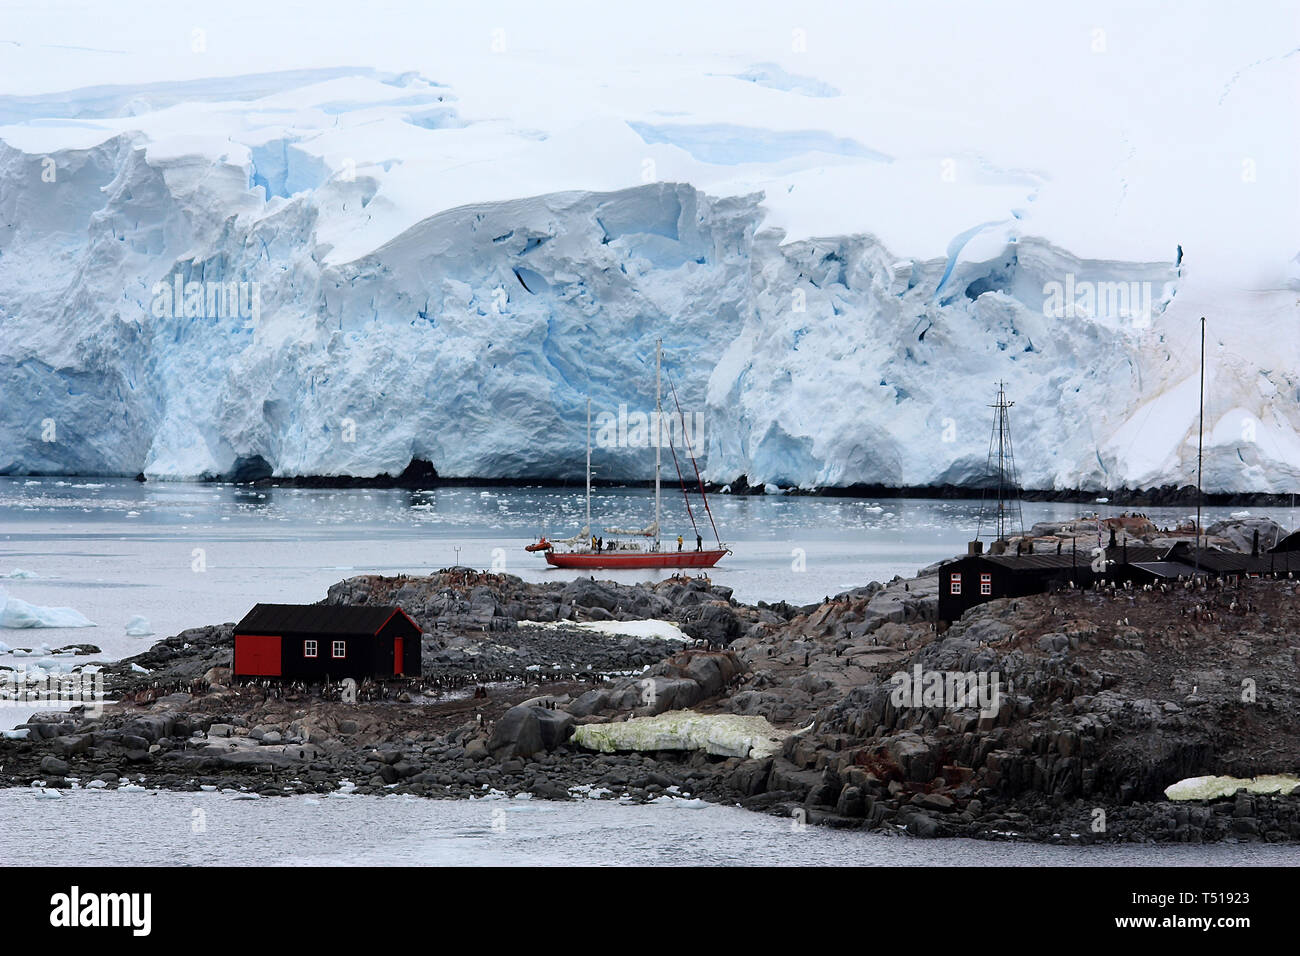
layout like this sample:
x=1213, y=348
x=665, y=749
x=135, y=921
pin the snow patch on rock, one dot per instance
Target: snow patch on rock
x=724, y=735
x=1214, y=788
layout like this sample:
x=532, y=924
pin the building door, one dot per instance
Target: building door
x=257, y=655
x=398, y=649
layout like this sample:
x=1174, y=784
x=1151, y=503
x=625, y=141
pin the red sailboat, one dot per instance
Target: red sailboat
x=637, y=549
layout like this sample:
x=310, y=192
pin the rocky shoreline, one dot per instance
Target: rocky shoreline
x=1106, y=698
x=421, y=474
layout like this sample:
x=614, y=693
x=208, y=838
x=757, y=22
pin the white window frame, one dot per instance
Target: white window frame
x=339, y=650
x=954, y=583
x=309, y=648
x=986, y=583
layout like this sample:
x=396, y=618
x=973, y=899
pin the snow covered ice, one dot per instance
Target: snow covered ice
x=138, y=626
x=433, y=257
x=15, y=613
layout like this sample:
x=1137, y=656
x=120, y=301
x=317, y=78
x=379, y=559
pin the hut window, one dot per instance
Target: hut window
x=308, y=648
x=340, y=649
x=986, y=584
x=955, y=586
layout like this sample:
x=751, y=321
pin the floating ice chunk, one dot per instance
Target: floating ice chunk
x=45, y=793
x=724, y=735
x=1212, y=788
x=96, y=785
x=19, y=573
x=138, y=626
x=685, y=803
x=19, y=614
x=590, y=791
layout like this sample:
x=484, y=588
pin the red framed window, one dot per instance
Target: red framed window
x=954, y=584
x=340, y=649
x=308, y=648
x=986, y=584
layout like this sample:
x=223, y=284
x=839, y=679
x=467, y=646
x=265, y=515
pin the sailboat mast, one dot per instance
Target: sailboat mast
x=588, y=464
x=1002, y=461
x=659, y=433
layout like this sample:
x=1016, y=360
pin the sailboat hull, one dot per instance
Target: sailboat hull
x=613, y=560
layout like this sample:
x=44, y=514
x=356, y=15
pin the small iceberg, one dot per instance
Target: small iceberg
x=1214, y=788
x=683, y=803
x=19, y=614
x=138, y=626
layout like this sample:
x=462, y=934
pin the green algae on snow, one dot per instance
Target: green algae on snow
x=1212, y=788
x=725, y=735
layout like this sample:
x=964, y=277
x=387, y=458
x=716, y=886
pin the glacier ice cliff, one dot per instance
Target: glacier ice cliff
x=472, y=336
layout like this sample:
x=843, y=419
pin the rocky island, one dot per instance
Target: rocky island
x=1092, y=704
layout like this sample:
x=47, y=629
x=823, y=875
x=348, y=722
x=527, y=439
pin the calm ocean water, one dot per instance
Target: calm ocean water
x=182, y=555
x=199, y=829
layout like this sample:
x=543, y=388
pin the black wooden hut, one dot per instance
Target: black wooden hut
x=978, y=578
x=316, y=642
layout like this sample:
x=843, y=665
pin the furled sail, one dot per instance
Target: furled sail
x=649, y=532
x=582, y=537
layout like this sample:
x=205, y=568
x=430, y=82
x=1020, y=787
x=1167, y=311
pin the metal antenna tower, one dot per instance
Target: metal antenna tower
x=1000, y=476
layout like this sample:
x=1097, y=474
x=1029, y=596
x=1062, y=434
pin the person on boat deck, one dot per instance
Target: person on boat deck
x=600, y=544
x=699, y=542
x=593, y=542
x=679, y=542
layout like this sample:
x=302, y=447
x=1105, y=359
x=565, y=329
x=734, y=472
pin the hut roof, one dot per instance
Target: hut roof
x=317, y=618
x=1168, y=569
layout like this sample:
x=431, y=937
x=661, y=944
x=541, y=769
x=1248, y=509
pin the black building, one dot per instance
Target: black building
x=1290, y=543
x=316, y=642
x=977, y=578
x=1224, y=563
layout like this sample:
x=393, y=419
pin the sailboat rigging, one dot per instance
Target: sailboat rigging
x=587, y=550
